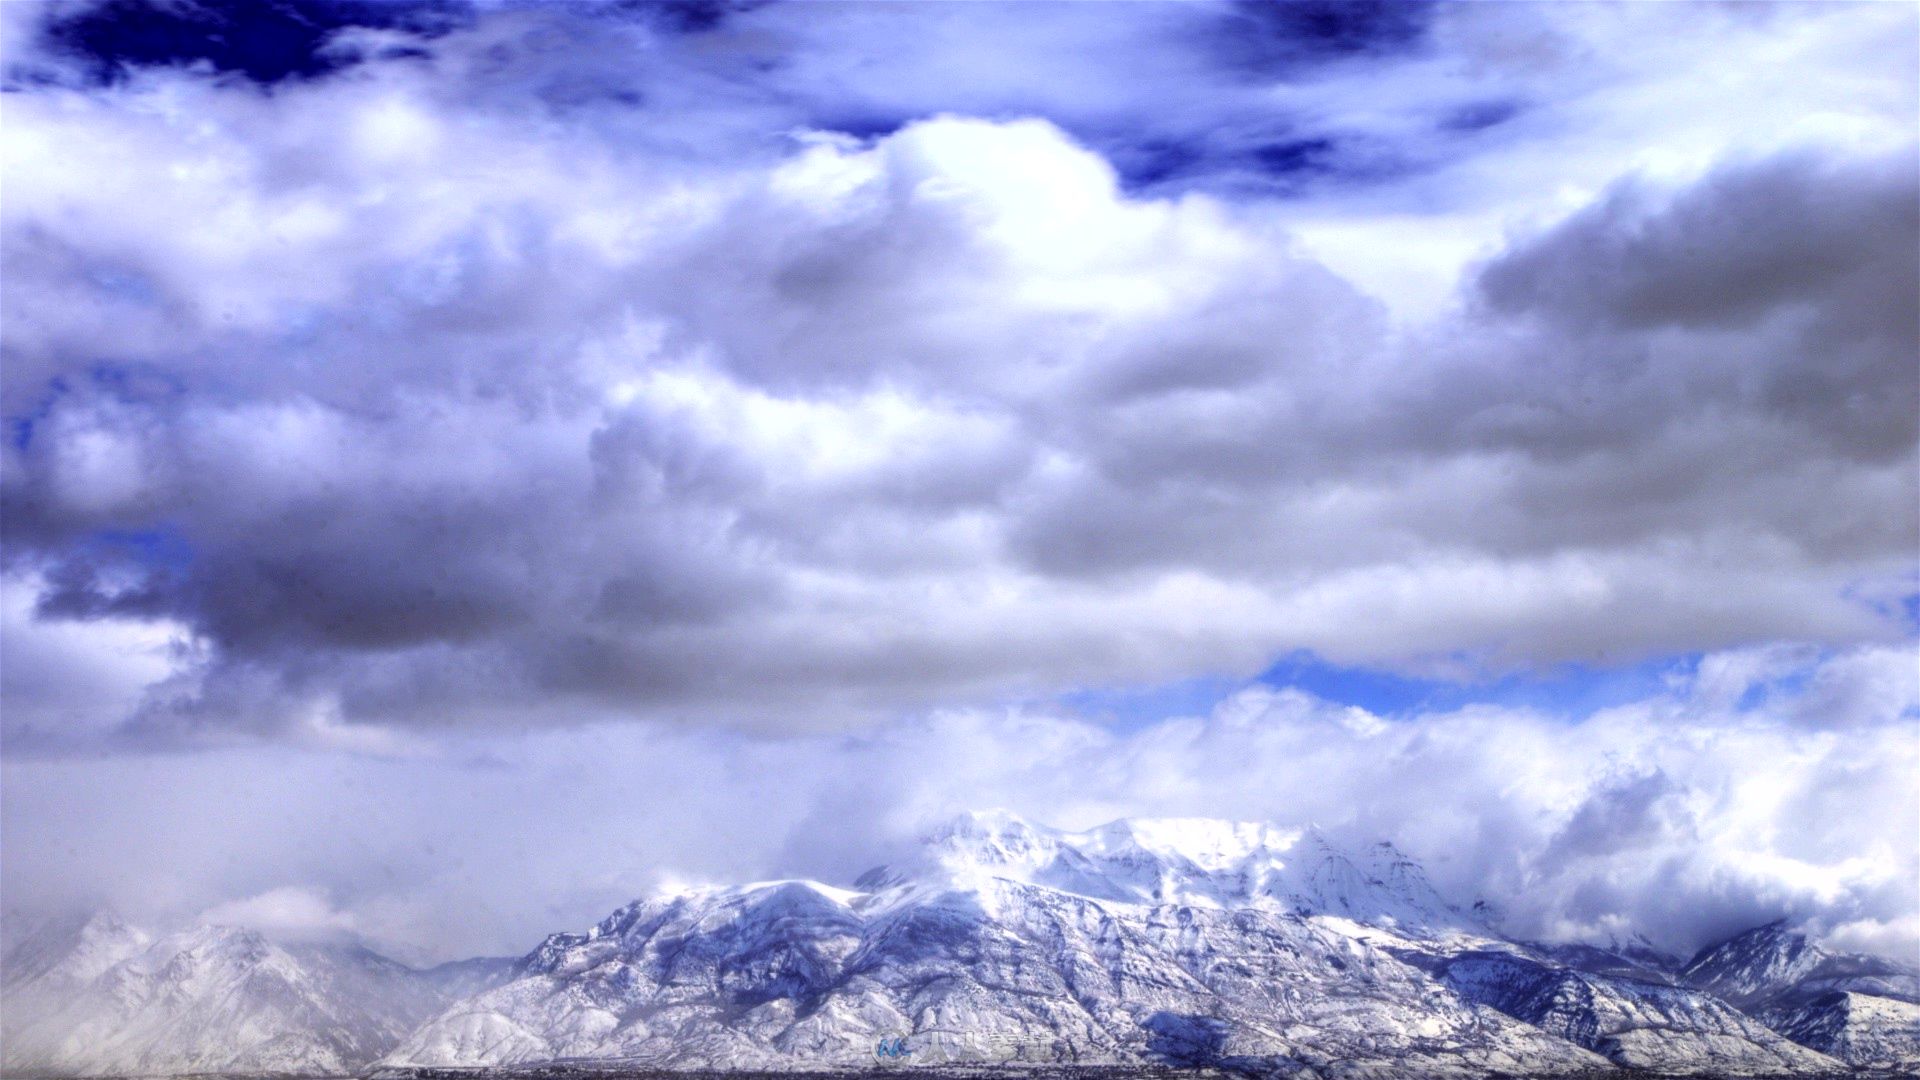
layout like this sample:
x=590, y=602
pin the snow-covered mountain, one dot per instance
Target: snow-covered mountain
x=1861, y=1009
x=105, y=998
x=1193, y=942
x=1246, y=948
x=1770, y=962
x=1139, y=942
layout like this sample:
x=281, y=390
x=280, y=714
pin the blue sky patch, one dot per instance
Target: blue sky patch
x=1571, y=690
x=1131, y=708
x=157, y=548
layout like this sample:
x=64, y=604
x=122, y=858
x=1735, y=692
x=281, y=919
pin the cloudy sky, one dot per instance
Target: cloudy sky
x=466, y=466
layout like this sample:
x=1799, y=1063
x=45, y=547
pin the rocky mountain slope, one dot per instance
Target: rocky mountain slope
x=1635, y=1022
x=1243, y=949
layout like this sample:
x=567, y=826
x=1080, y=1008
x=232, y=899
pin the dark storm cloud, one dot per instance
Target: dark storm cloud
x=1821, y=258
x=1748, y=240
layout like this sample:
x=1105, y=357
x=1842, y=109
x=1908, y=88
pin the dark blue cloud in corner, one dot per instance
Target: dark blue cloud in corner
x=267, y=41
x=1272, y=36
x=679, y=16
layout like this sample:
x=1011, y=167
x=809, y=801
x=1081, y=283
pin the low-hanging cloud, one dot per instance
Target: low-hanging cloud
x=1737, y=793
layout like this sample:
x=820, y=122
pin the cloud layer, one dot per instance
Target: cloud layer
x=562, y=408
x=406, y=401
x=1754, y=785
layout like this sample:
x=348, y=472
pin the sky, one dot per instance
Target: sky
x=467, y=465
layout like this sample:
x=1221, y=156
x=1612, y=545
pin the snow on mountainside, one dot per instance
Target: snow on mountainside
x=796, y=975
x=103, y=998
x=1860, y=1029
x=1139, y=942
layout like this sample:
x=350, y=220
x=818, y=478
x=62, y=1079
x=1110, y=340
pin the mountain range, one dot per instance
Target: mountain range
x=1243, y=948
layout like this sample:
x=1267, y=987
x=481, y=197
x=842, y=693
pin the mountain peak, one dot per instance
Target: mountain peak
x=1197, y=862
x=1762, y=963
x=1203, y=841
x=1208, y=843
x=1754, y=963
x=1773, y=936
x=979, y=822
